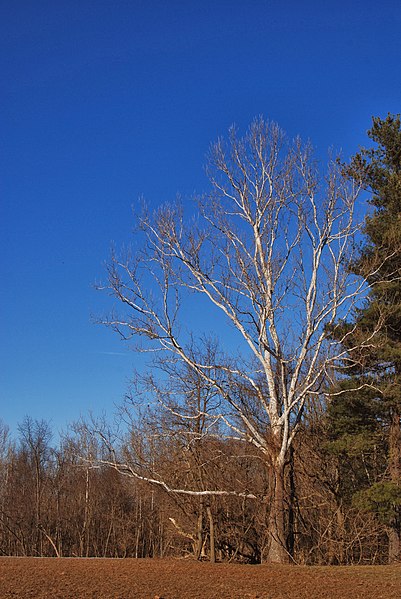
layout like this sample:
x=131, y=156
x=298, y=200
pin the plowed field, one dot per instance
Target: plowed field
x=177, y=579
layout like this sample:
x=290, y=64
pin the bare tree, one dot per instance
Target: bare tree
x=35, y=441
x=268, y=251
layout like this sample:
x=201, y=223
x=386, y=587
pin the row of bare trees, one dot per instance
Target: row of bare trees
x=60, y=501
x=52, y=503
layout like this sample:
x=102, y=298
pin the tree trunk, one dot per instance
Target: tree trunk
x=291, y=504
x=277, y=550
x=211, y=535
x=394, y=535
x=199, y=532
x=393, y=545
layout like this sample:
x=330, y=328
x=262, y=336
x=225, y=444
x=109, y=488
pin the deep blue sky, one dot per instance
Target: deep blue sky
x=105, y=101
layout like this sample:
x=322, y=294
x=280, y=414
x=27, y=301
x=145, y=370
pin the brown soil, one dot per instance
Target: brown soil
x=54, y=578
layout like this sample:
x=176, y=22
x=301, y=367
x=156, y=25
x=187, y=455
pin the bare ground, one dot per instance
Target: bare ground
x=54, y=578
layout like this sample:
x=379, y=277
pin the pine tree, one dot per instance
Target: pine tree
x=373, y=339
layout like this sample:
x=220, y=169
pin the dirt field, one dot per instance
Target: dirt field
x=177, y=579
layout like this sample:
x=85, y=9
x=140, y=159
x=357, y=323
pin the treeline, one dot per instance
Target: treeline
x=65, y=500
x=53, y=503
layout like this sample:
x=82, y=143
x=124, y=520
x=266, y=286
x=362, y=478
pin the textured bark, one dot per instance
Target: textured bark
x=291, y=504
x=277, y=550
x=393, y=545
x=199, y=532
x=394, y=535
x=211, y=535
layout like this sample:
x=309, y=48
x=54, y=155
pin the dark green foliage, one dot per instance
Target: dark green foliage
x=380, y=260
x=374, y=337
x=367, y=411
x=356, y=440
x=356, y=415
x=383, y=499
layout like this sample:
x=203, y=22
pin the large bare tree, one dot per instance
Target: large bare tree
x=268, y=250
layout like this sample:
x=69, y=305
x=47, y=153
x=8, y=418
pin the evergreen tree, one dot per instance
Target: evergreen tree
x=372, y=386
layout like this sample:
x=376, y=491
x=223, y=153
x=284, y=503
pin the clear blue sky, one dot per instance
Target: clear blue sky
x=105, y=101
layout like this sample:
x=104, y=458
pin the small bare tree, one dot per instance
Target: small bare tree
x=268, y=250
